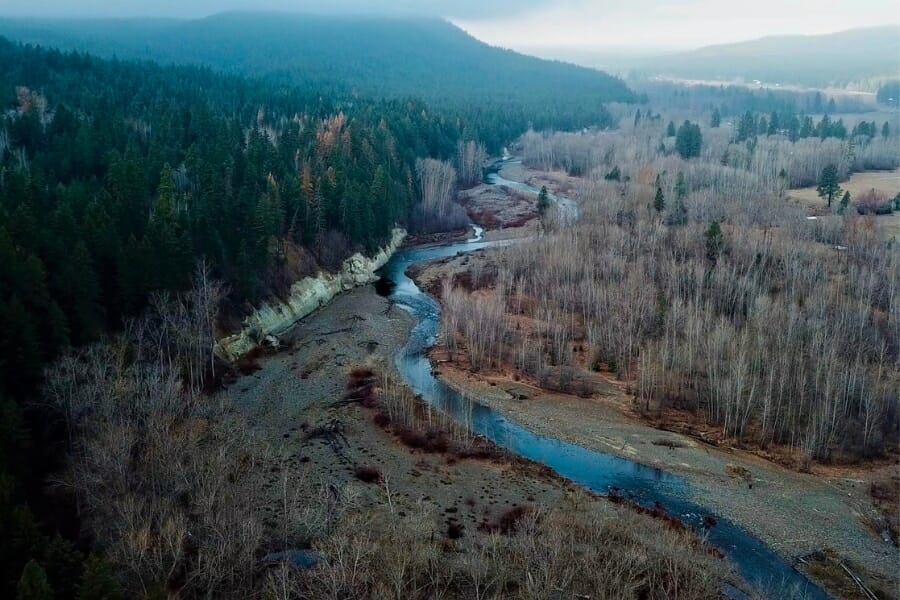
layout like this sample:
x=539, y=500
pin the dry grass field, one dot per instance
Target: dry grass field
x=886, y=182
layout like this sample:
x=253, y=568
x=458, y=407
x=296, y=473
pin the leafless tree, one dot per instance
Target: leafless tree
x=167, y=480
x=437, y=180
x=470, y=159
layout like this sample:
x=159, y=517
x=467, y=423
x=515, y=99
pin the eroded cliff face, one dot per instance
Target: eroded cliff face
x=306, y=295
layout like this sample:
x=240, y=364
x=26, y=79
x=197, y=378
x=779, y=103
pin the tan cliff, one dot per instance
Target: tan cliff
x=273, y=318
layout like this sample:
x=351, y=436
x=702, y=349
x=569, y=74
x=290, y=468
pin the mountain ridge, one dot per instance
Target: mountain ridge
x=817, y=60
x=381, y=56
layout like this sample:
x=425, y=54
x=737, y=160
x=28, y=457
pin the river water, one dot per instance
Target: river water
x=598, y=472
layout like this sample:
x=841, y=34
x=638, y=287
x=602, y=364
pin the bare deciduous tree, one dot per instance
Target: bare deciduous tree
x=470, y=159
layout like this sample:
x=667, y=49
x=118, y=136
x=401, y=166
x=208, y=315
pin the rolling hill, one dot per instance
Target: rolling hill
x=835, y=59
x=386, y=57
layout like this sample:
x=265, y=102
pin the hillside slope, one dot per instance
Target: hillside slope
x=392, y=57
x=840, y=58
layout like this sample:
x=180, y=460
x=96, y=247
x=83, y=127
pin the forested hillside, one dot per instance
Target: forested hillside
x=497, y=92
x=118, y=176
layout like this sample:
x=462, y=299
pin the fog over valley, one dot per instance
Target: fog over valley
x=539, y=25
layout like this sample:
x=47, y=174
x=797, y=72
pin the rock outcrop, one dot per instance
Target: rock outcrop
x=274, y=318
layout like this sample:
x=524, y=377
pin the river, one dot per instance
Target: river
x=758, y=564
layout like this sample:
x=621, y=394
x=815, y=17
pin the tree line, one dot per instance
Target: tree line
x=735, y=100
x=796, y=127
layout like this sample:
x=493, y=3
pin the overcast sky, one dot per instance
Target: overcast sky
x=536, y=24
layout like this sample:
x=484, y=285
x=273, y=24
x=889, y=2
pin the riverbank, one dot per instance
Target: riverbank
x=293, y=400
x=298, y=391
x=275, y=316
x=795, y=513
x=296, y=400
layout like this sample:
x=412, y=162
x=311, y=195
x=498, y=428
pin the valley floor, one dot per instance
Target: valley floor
x=293, y=401
x=885, y=182
x=795, y=513
x=301, y=388
x=292, y=396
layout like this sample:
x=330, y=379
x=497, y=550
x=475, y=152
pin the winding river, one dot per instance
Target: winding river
x=598, y=472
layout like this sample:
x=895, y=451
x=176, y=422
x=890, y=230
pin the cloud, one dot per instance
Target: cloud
x=532, y=24
x=670, y=24
x=461, y=9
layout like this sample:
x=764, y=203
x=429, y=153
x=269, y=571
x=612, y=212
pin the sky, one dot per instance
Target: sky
x=541, y=26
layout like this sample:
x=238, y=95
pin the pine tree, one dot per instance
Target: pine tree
x=806, y=127
x=681, y=189
x=165, y=194
x=746, y=127
x=794, y=129
x=829, y=184
x=689, y=140
x=838, y=130
x=614, y=175
x=885, y=130
x=99, y=581
x=714, y=242
x=774, y=124
x=33, y=584
x=21, y=358
x=543, y=202
x=716, y=119
x=659, y=201
x=85, y=312
x=670, y=129
x=845, y=203
x=823, y=129
x=63, y=565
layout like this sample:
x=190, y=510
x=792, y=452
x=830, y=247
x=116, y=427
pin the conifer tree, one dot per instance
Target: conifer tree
x=714, y=242
x=844, y=204
x=689, y=140
x=33, y=584
x=659, y=201
x=543, y=202
x=774, y=124
x=99, y=582
x=829, y=184
x=746, y=127
x=681, y=189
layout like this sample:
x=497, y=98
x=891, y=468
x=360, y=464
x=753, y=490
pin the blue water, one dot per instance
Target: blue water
x=596, y=471
x=567, y=206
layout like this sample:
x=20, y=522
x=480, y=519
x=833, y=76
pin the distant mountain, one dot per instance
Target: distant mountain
x=855, y=55
x=386, y=57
